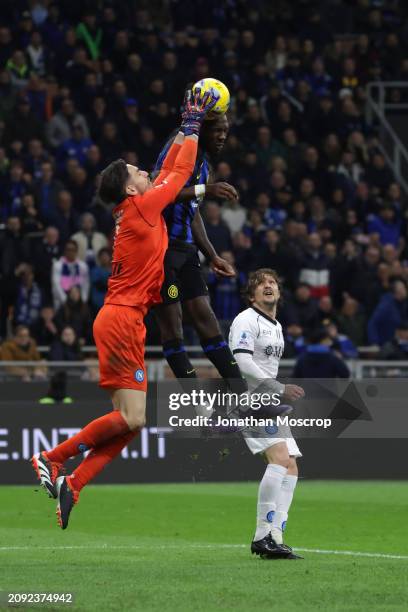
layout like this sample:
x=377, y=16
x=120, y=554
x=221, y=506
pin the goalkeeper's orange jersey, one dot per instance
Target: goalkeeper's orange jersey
x=141, y=235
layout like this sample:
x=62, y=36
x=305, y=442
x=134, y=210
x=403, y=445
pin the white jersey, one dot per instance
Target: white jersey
x=254, y=332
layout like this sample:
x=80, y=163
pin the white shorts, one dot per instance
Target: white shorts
x=259, y=445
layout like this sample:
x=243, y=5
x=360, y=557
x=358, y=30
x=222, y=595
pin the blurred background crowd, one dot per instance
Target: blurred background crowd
x=83, y=83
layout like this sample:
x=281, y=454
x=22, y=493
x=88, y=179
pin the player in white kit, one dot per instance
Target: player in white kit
x=256, y=340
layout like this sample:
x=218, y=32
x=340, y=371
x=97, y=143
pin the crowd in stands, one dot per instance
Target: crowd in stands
x=83, y=83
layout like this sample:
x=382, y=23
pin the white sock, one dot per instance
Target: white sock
x=282, y=508
x=268, y=495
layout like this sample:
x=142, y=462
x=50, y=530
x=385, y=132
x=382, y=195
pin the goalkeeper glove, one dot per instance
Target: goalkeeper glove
x=195, y=110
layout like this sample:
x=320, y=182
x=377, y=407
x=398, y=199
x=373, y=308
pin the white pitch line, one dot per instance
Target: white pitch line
x=351, y=553
x=318, y=551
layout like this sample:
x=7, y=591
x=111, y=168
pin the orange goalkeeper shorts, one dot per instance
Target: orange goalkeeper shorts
x=120, y=336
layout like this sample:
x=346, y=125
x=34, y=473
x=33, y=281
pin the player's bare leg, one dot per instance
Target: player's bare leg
x=131, y=405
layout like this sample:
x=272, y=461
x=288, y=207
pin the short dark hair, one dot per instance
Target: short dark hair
x=256, y=278
x=71, y=242
x=112, y=186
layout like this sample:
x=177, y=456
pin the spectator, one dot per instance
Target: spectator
x=37, y=54
x=74, y=312
x=294, y=341
x=325, y=308
x=14, y=190
x=19, y=69
x=75, y=147
x=300, y=309
x=315, y=267
x=255, y=228
x=23, y=348
x=318, y=360
x=392, y=309
x=217, y=231
x=378, y=175
x=89, y=241
x=80, y=188
x=341, y=344
x=30, y=220
x=352, y=321
x=44, y=253
x=99, y=279
x=89, y=31
x=233, y=215
x=387, y=225
x=110, y=143
x=46, y=190
x=226, y=293
x=361, y=278
x=60, y=126
x=23, y=125
x=29, y=298
x=45, y=329
x=36, y=156
x=67, y=272
x=66, y=347
x=14, y=250
x=273, y=254
x=397, y=348
x=64, y=218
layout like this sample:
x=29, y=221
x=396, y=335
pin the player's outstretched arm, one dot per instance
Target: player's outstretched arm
x=163, y=193
x=170, y=158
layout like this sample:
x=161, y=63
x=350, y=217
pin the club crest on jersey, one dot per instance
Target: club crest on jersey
x=139, y=376
x=172, y=291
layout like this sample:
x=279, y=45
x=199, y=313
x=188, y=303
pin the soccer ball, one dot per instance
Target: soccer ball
x=223, y=103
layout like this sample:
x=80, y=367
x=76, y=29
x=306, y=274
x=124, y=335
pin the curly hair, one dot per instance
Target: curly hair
x=256, y=278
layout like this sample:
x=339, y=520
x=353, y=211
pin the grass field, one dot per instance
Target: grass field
x=185, y=547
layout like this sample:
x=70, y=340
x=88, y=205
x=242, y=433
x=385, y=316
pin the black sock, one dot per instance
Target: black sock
x=218, y=352
x=178, y=360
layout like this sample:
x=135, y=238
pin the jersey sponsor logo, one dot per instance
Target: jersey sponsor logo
x=270, y=515
x=139, y=375
x=275, y=351
x=173, y=292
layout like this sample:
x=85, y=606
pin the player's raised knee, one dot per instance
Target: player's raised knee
x=135, y=421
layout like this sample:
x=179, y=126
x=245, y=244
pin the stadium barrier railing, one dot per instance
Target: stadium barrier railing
x=158, y=369
x=390, y=144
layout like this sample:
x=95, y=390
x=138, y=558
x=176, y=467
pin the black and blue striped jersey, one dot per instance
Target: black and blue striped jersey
x=179, y=216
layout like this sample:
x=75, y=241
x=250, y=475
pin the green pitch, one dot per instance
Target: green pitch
x=185, y=547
